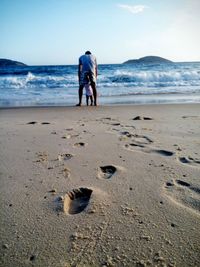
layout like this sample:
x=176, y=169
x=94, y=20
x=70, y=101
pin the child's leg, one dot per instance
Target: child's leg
x=87, y=99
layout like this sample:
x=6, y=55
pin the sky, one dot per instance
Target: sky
x=53, y=32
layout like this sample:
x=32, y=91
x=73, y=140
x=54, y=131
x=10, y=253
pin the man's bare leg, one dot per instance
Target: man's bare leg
x=91, y=100
x=87, y=100
x=80, y=93
x=94, y=93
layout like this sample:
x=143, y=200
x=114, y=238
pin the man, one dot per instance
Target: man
x=87, y=68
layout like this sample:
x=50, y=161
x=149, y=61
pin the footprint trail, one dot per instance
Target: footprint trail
x=184, y=193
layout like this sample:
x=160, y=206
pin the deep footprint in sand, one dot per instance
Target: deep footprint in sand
x=76, y=200
x=107, y=171
x=189, y=161
x=184, y=193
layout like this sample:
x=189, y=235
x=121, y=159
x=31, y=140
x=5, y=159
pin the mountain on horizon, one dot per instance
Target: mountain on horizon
x=9, y=63
x=148, y=60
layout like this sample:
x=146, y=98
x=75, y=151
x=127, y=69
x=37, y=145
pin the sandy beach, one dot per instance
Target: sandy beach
x=100, y=186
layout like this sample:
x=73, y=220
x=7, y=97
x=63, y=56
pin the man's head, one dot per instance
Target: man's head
x=88, y=53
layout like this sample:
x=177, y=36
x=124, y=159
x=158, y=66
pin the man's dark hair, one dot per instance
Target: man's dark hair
x=88, y=53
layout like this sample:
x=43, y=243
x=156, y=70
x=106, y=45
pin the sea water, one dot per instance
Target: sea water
x=116, y=84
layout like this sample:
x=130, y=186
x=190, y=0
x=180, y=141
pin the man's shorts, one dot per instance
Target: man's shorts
x=87, y=77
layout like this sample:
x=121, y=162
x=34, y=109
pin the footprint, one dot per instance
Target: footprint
x=127, y=134
x=109, y=121
x=190, y=161
x=107, y=171
x=107, y=118
x=134, y=145
x=186, y=117
x=180, y=182
x=137, y=139
x=45, y=123
x=66, y=172
x=193, y=188
x=64, y=157
x=80, y=144
x=115, y=124
x=142, y=148
x=184, y=194
x=162, y=152
x=68, y=136
x=128, y=126
x=76, y=200
x=142, y=118
x=142, y=139
x=32, y=122
x=42, y=156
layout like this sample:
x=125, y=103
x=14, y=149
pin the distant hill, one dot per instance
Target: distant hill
x=148, y=60
x=7, y=62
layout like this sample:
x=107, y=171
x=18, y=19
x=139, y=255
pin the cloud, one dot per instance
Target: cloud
x=133, y=9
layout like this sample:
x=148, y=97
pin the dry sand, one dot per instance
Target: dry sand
x=100, y=186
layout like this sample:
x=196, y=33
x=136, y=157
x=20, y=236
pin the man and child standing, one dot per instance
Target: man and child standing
x=87, y=74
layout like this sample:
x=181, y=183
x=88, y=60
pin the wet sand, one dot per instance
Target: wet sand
x=100, y=186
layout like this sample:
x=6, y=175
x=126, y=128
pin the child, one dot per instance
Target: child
x=89, y=93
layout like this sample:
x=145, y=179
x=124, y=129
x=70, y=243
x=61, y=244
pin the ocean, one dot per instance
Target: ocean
x=116, y=84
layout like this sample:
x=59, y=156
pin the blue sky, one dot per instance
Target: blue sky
x=51, y=32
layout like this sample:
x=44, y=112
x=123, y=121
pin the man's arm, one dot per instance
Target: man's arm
x=79, y=70
x=96, y=68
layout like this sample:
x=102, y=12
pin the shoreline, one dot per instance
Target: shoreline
x=99, y=106
x=139, y=99
x=100, y=186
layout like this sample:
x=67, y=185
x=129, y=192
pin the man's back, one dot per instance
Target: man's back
x=88, y=63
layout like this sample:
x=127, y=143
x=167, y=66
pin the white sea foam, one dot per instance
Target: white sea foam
x=156, y=76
